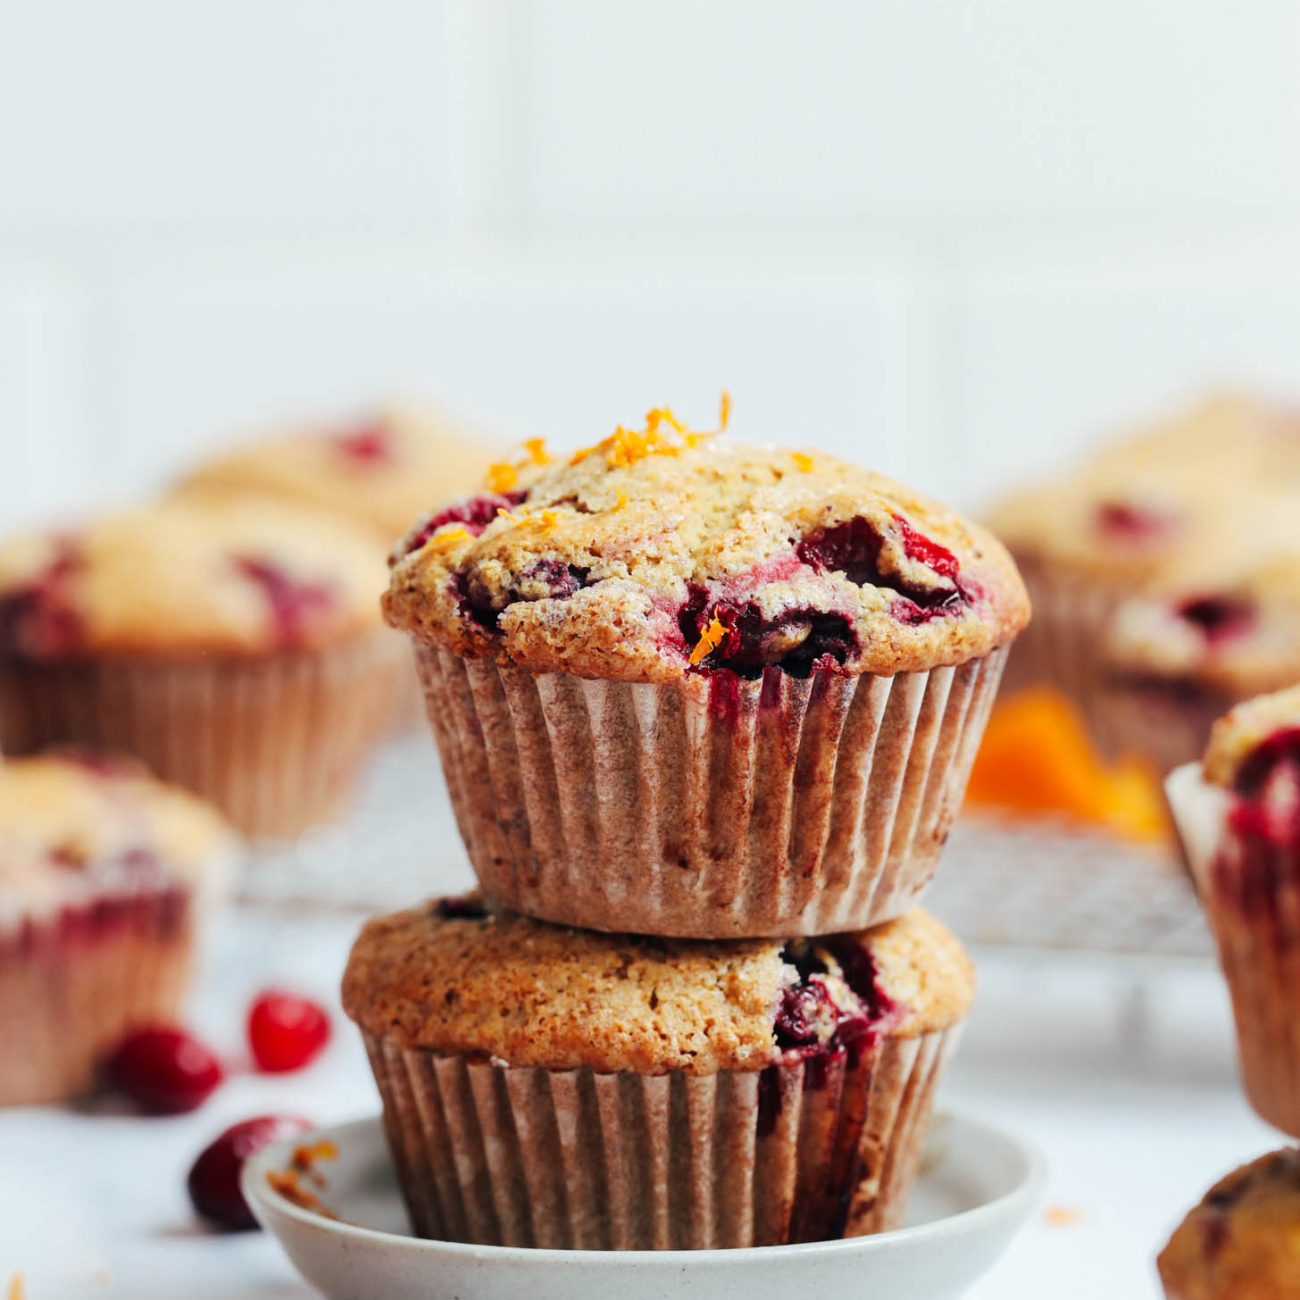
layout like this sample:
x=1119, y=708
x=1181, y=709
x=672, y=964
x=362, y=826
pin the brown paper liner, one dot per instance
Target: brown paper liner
x=1062, y=645
x=73, y=982
x=1250, y=890
x=571, y=1159
x=275, y=743
x=711, y=807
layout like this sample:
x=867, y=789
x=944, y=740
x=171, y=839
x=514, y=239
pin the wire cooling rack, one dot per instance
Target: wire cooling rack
x=1033, y=885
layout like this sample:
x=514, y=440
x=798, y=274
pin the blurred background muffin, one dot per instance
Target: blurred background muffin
x=1154, y=570
x=106, y=876
x=383, y=471
x=234, y=646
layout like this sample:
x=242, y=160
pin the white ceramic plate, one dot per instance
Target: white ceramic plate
x=978, y=1186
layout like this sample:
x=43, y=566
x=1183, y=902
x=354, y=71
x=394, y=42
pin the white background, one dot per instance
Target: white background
x=951, y=239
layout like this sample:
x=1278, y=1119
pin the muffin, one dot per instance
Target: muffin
x=380, y=473
x=686, y=687
x=104, y=877
x=1242, y=1242
x=1238, y=815
x=1174, y=496
x=571, y=1089
x=1176, y=661
x=235, y=647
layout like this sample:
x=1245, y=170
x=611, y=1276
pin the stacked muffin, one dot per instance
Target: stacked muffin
x=1154, y=573
x=706, y=714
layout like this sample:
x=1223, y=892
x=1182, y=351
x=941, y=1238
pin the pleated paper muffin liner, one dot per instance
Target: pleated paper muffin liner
x=275, y=743
x=1167, y=721
x=571, y=1159
x=1251, y=894
x=711, y=807
x=75, y=980
x=1062, y=645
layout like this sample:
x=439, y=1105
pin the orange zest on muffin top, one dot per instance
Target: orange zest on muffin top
x=661, y=551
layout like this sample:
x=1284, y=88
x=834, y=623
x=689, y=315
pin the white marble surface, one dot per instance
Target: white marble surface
x=1123, y=1074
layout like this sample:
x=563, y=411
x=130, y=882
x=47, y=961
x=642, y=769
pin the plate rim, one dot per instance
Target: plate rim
x=1017, y=1203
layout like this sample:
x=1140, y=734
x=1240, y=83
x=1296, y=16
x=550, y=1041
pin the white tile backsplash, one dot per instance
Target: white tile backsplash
x=953, y=240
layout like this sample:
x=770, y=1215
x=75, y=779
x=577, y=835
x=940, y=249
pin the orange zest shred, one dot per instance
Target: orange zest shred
x=503, y=513
x=1036, y=759
x=305, y=1157
x=619, y=501
x=803, y=461
x=710, y=639
x=535, y=449
x=502, y=476
x=1062, y=1216
x=664, y=435
x=449, y=537
x=288, y=1184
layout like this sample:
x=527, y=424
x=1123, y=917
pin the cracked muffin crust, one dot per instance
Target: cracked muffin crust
x=1242, y=1242
x=458, y=976
x=180, y=580
x=661, y=552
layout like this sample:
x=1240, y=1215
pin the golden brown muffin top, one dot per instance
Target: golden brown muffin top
x=660, y=550
x=1175, y=494
x=185, y=579
x=1242, y=1242
x=455, y=976
x=380, y=472
x=72, y=823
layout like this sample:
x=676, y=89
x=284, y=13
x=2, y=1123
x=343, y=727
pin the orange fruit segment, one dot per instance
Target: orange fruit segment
x=1036, y=759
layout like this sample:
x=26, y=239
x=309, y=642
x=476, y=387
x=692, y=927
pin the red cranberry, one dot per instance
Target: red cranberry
x=474, y=514
x=38, y=618
x=165, y=1071
x=916, y=546
x=214, y=1177
x=1218, y=618
x=286, y=1031
x=1127, y=521
x=293, y=602
x=368, y=445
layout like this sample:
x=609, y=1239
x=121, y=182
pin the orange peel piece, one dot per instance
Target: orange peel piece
x=1036, y=758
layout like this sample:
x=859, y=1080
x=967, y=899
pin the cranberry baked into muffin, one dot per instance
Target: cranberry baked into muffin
x=687, y=687
x=380, y=472
x=1242, y=1242
x=571, y=1089
x=104, y=876
x=235, y=647
x=1238, y=815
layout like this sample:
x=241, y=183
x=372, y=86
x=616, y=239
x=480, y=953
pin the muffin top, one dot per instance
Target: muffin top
x=1239, y=739
x=380, y=472
x=1242, y=1242
x=660, y=551
x=74, y=824
x=1176, y=494
x=187, y=579
x=457, y=976
x=1236, y=629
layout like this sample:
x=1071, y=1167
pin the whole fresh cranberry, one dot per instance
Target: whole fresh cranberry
x=286, y=1031
x=164, y=1070
x=213, y=1183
